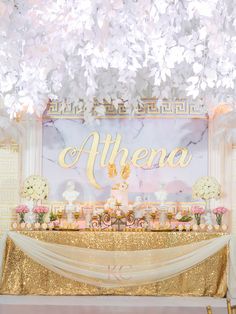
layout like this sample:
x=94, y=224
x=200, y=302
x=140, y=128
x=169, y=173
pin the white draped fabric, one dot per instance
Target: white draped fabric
x=232, y=267
x=113, y=269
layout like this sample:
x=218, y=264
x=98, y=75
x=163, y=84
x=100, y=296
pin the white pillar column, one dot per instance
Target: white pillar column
x=214, y=158
x=220, y=165
x=233, y=189
x=31, y=158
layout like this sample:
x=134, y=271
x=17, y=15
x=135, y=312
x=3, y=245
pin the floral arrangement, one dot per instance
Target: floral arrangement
x=123, y=186
x=40, y=212
x=35, y=188
x=206, y=188
x=52, y=216
x=198, y=211
x=183, y=217
x=219, y=212
x=21, y=210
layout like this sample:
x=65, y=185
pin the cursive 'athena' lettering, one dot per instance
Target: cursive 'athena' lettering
x=112, y=151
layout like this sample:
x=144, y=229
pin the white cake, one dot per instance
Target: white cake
x=120, y=193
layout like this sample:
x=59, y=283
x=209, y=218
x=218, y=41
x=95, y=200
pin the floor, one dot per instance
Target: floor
x=109, y=305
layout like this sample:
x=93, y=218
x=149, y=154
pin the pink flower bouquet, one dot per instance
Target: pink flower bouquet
x=40, y=212
x=219, y=212
x=21, y=210
x=198, y=212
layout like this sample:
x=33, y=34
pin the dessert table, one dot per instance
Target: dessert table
x=22, y=276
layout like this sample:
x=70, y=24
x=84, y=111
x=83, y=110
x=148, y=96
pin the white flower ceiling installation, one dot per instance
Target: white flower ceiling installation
x=81, y=49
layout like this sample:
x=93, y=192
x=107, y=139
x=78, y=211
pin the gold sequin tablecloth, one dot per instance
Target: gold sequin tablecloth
x=23, y=276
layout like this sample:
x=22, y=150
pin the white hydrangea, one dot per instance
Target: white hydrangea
x=35, y=188
x=206, y=188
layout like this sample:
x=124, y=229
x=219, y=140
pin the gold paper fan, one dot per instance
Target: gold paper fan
x=125, y=171
x=112, y=172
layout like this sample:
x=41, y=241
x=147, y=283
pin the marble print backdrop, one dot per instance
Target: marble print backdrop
x=135, y=133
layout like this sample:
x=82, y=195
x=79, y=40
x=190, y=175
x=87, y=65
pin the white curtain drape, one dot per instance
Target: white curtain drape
x=115, y=269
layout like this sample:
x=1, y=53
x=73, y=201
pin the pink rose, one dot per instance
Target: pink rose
x=220, y=210
x=40, y=210
x=197, y=210
x=22, y=209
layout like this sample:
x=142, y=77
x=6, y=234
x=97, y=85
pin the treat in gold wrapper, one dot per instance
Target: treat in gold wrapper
x=195, y=227
x=224, y=227
x=22, y=225
x=28, y=226
x=37, y=225
x=14, y=225
x=44, y=226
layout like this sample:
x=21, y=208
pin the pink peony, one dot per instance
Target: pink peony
x=22, y=209
x=198, y=210
x=40, y=210
x=220, y=210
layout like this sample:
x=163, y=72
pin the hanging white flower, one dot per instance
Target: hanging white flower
x=85, y=49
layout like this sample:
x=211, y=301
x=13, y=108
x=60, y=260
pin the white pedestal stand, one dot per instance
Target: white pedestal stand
x=69, y=212
x=87, y=220
x=162, y=218
x=30, y=216
x=208, y=215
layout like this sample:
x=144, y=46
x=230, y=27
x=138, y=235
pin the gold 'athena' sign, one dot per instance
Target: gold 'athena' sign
x=111, y=149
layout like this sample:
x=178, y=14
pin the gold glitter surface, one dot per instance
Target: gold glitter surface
x=22, y=275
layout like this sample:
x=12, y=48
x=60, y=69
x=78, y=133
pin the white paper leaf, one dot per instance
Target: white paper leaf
x=203, y=85
x=62, y=50
x=193, y=79
x=197, y=68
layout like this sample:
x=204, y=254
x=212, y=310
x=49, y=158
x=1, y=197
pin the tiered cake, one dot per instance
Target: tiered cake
x=120, y=193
